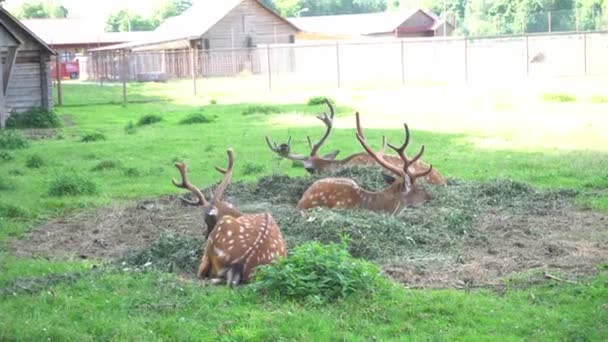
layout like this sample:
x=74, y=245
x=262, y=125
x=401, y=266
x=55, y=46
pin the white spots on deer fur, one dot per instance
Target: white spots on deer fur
x=228, y=221
x=241, y=237
x=349, y=200
x=229, y=233
x=231, y=242
x=241, y=229
x=220, y=253
x=314, y=203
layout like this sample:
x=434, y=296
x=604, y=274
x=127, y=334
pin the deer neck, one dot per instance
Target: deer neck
x=388, y=200
x=226, y=209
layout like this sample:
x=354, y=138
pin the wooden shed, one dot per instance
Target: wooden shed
x=25, y=71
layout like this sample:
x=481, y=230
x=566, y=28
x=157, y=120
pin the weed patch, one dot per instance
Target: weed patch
x=12, y=140
x=106, y=165
x=12, y=211
x=261, y=109
x=34, y=118
x=556, y=97
x=92, y=137
x=34, y=161
x=599, y=99
x=319, y=100
x=197, y=118
x=72, y=184
x=130, y=128
x=5, y=185
x=149, y=119
x=131, y=172
x=5, y=156
x=318, y=273
x=253, y=169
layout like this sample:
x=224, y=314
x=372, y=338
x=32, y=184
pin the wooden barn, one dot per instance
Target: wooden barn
x=223, y=36
x=25, y=71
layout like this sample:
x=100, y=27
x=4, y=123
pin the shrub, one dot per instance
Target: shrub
x=130, y=128
x=261, y=109
x=196, y=119
x=319, y=272
x=213, y=102
x=72, y=184
x=34, y=162
x=318, y=100
x=12, y=211
x=5, y=156
x=556, y=97
x=12, y=140
x=92, y=137
x=599, y=99
x=106, y=165
x=252, y=169
x=148, y=119
x=34, y=118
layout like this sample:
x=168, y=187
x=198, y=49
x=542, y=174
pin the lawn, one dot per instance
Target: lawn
x=468, y=137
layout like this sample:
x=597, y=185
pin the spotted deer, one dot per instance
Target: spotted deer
x=314, y=163
x=235, y=242
x=346, y=193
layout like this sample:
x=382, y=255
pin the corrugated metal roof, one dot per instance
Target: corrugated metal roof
x=356, y=24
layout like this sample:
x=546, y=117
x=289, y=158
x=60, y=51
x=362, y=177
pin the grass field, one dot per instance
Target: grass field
x=469, y=135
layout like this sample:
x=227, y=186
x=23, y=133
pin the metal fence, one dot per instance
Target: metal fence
x=371, y=62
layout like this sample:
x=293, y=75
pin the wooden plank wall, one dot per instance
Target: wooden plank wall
x=25, y=89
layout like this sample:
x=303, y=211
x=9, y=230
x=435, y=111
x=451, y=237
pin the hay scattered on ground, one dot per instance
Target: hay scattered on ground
x=471, y=233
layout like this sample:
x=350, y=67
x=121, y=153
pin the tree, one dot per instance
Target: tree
x=290, y=8
x=31, y=10
x=170, y=9
x=123, y=21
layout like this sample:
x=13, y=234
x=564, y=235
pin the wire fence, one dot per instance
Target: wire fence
x=371, y=62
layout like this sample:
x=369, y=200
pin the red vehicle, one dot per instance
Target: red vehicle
x=69, y=70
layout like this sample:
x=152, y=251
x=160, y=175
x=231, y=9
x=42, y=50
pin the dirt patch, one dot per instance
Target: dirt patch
x=471, y=234
x=39, y=133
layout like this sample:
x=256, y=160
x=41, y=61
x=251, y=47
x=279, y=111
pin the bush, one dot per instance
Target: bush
x=130, y=128
x=319, y=100
x=261, y=109
x=72, y=184
x=555, y=97
x=149, y=120
x=599, y=99
x=196, y=119
x=92, y=137
x=5, y=156
x=12, y=140
x=34, y=118
x=12, y=211
x=34, y=162
x=213, y=102
x=106, y=165
x=320, y=273
x=252, y=169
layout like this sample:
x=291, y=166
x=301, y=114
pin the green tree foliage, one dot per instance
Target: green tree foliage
x=123, y=21
x=170, y=9
x=290, y=8
x=38, y=9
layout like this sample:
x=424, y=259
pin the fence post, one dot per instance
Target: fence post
x=123, y=76
x=269, y=68
x=466, y=60
x=402, y=61
x=585, y=52
x=338, y=63
x=527, y=56
x=58, y=74
x=193, y=69
x=549, y=20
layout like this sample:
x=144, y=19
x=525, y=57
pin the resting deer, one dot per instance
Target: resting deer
x=316, y=164
x=346, y=193
x=236, y=242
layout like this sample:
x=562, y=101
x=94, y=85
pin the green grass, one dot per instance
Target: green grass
x=557, y=97
x=47, y=299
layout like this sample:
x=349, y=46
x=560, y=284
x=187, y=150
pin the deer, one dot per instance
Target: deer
x=236, y=243
x=314, y=163
x=346, y=193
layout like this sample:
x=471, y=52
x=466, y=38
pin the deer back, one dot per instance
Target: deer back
x=237, y=245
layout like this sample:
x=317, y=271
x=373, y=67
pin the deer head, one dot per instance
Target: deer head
x=345, y=193
x=313, y=162
x=236, y=243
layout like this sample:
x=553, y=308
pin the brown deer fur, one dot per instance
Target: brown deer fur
x=345, y=193
x=236, y=243
x=316, y=164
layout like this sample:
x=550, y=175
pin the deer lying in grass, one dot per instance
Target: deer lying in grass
x=235, y=242
x=346, y=193
x=316, y=164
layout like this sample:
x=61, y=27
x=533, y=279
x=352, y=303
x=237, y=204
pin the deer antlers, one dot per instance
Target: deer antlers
x=219, y=191
x=379, y=156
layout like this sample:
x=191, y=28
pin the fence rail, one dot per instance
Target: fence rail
x=370, y=62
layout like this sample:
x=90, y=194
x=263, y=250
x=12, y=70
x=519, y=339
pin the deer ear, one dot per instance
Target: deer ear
x=388, y=178
x=331, y=155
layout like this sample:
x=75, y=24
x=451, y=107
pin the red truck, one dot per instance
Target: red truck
x=69, y=70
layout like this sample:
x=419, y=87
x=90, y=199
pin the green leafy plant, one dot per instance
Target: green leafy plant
x=12, y=211
x=318, y=100
x=106, y=165
x=130, y=128
x=72, y=184
x=149, y=119
x=34, y=162
x=252, y=168
x=5, y=156
x=319, y=273
x=599, y=99
x=34, y=118
x=213, y=102
x=556, y=97
x=131, y=172
x=196, y=118
x=261, y=109
x=12, y=140
x=92, y=137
